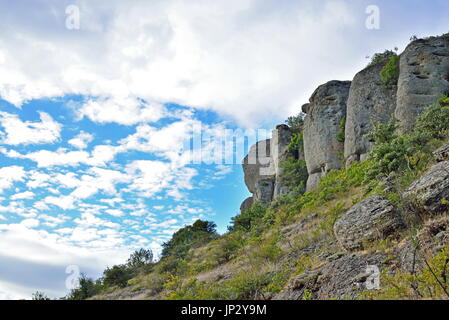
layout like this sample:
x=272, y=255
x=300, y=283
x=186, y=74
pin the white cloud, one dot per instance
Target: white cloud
x=242, y=58
x=9, y=175
x=126, y=111
x=23, y=195
x=18, y=132
x=82, y=140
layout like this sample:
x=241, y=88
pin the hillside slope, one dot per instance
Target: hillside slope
x=352, y=203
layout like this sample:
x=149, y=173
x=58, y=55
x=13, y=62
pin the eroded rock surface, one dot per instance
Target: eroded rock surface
x=327, y=108
x=369, y=101
x=371, y=219
x=424, y=77
x=431, y=191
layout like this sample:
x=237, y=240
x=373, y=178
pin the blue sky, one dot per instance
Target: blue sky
x=93, y=119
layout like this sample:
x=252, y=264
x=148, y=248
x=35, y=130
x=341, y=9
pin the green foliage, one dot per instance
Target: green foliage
x=409, y=154
x=296, y=143
x=200, y=233
x=390, y=72
x=431, y=282
x=86, y=288
x=140, y=258
x=228, y=247
x=341, y=130
x=296, y=123
x=295, y=174
x=117, y=276
x=39, y=296
x=248, y=218
x=379, y=57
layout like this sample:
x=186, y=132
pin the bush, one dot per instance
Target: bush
x=379, y=57
x=400, y=155
x=117, y=276
x=295, y=175
x=86, y=288
x=296, y=123
x=390, y=72
x=39, y=296
x=296, y=143
x=200, y=233
x=341, y=131
x=248, y=218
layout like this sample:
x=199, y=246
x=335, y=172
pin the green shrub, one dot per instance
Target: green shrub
x=379, y=57
x=198, y=234
x=117, y=276
x=248, y=219
x=390, y=72
x=296, y=123
x=294, y=174
x=296, y=143
x=341, y=131
x=86, y=288
x=39, y=296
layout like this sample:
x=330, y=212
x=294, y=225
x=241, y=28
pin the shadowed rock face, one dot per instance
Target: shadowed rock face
x=257, y=165
x=424, y=77
x=280, y=140
x=325, y=111
x=369, y=101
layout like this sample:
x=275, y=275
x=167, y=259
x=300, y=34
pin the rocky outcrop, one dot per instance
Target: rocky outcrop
x=262, y=166
x=246, y=204
x=343, y=278
x=325, y=112
x=280, y=140
x=371, y=219
x=432, y=190
x=424, y=77
x=369, y=101
x=442, y=154
x=258, y=166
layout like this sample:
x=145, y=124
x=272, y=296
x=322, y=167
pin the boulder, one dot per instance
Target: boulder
x=257, y=165
x=327, y=108
x=442, y=154
x=264, y=190
x=246, y=204
x=371, y=219
x=345, y=277
x=424, y=77
x=430, y=191
x=369, y=101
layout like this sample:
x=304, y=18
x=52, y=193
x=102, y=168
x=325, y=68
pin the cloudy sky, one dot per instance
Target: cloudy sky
x=93, y=116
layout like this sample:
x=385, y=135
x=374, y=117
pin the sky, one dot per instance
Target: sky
x=97, y=99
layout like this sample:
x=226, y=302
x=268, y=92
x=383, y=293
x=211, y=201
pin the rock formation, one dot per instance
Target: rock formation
x=432, y=189
x=262, y=167
x=369, y=100
x=423, y=78
x=326, y=110
x=372, y=219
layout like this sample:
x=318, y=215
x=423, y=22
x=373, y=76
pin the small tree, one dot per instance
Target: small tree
x=39, y=296
x=140, y=258
x=117, y=276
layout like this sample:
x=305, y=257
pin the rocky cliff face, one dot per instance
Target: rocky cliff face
x=262, y=167
x=369, y=101
x=326, y=110
x=423, y=78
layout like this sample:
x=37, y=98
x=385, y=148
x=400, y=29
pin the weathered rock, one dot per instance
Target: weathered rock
x=246, y=204
x=371, y=219
x=430, y=191
x=442, y=154
x=264, y=190
x=321, y=125
x=257, y=165
x=313, y=180
x=342, y=278
x=280, y=140
x=424, y=77
x=369, y=101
